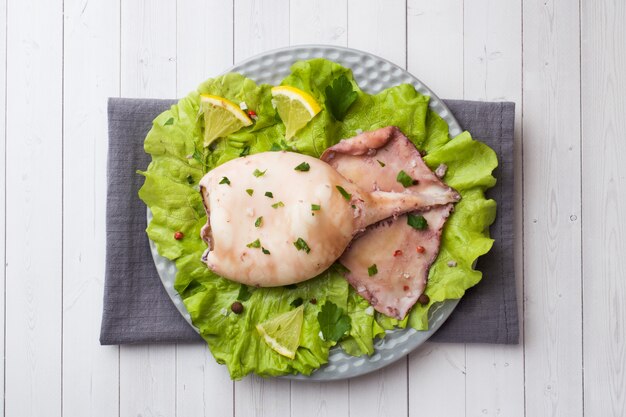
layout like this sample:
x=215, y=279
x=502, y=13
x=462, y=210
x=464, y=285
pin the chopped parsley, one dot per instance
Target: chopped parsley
x=245, y=151
x=169, y=121
x=279, y=204
x=265, y=251
x=372, y=270
x=297, y=302
x=333, y=322
x=244, y=293
x=258, y=173
x=404, y=179
x=225, y=180
x=416, y=221
x=381, y=163
x=303, y=167
x=256, y=244
x=339, y=97
x=344, y=193
x=315, y=207
x=269, y=194
x=258, y=222
x=250, y=191
x=300, y=244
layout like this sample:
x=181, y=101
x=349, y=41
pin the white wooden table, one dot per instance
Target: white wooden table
x=562, y=61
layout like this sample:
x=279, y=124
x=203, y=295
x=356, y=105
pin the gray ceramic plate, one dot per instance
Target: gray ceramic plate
x=373, y=74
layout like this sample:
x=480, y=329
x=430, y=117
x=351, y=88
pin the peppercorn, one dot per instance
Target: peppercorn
x=423, y=299
x=237, y=307
x=178, y=235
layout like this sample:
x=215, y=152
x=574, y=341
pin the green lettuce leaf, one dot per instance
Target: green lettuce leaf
x=171, y=191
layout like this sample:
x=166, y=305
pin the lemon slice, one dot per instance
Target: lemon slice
x=221, y=117
x=282, y=332
x=295, y=107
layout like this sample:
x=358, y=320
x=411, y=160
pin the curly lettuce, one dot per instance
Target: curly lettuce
x=179, y=161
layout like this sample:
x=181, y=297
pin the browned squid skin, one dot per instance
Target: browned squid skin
x=402, y=254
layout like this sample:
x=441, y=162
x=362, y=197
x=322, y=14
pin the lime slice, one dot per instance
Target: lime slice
x=221, y=117
x=295, y=107
x=282, y=332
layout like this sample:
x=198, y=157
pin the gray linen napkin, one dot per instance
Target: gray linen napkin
x=137, y=309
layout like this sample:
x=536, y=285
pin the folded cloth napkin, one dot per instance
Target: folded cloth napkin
x=138, y=310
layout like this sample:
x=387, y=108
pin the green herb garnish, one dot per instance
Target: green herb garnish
x=269, y=194
x=416, y=221
x=265, y=251
x=279, y=204
x=225, y=180
x=244, y=293
x=381, y=163
x=340, y=96
x=372, y=270
x=300, y=244
x=315, y=207
x=258, y=173
x=303, y=167
x=256, y=244
x=404, y=179
x=250, y=191
x=344, y=193
x=333, y=322
x=296, y=303
x=258, y=222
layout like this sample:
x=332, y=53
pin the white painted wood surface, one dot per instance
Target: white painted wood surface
x=562, y=62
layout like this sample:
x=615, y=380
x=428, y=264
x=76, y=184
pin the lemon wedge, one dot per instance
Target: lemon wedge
x=282, y=332
x=221, y=117
x=295, y=107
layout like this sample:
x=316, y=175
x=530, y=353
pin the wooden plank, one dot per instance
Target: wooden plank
x=258, y=27
x=34, y=149
x=379, y=28
x=435, y=45
x=603, y=205
x=435, y=56
x=3, y=182
x=203, y=388
x=552, y=230
x=91, y=74
x=318, y=22
x=208, y=23
x=148, y=69
x=492, y=72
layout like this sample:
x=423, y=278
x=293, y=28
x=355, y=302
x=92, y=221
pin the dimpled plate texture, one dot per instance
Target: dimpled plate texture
x=373, y=74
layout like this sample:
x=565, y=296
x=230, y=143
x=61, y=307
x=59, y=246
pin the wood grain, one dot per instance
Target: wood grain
x=3, y=184
x=318, y=22
x=552, y=231
x=603, y=206
x=91, y=74
x=148, y=69
x=493, y=72
x=203, y=388
x=34, y=149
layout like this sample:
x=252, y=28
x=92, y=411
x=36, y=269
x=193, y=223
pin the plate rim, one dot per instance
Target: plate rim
x=439, y=313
